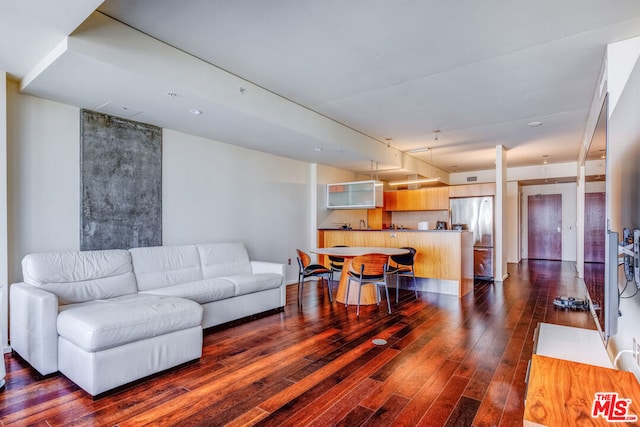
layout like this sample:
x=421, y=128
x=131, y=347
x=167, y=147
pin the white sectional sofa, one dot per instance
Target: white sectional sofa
x=107, y=318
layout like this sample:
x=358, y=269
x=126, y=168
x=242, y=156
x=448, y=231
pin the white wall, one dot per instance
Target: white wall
x=43, y=175
x=211, y=191
x=214, y=192
x=460, y=178
x=332, y=218
x=569, y=215
x=4, y=242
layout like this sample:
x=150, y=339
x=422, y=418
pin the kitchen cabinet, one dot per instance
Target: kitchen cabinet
x=472, y=190
x=354, y=195
x=411, y=200
x=390, y=200
x=423, y=199
x=378, y=218
x=437, y=198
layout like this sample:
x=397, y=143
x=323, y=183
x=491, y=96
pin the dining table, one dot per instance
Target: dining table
x=369, y=291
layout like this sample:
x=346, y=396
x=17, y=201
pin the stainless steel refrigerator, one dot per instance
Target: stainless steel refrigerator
x=476, y=214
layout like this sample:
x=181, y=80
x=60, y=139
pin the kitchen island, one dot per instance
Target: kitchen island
x=443, y=262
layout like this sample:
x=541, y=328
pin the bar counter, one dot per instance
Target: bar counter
x=444, y=258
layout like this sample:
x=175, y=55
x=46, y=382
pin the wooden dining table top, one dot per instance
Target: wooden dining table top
x=354, y=251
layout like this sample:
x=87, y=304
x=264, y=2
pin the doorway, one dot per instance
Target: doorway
x=545, y=226
x=594, y=227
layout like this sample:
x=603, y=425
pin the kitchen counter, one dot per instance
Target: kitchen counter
x=444, y=258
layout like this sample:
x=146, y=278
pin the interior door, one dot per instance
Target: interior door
x=545, y=226
x=594, y=227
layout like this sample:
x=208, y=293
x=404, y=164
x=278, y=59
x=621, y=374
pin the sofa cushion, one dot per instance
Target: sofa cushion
x=103, y=324
x=249, y=283
x=81, y=276
x=224, y=259
x=200, y=291
x=162, y=266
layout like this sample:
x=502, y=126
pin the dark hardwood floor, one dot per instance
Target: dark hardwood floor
x=447, y=362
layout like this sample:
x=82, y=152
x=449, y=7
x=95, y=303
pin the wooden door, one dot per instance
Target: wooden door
x=594, y=227
x=545, y=226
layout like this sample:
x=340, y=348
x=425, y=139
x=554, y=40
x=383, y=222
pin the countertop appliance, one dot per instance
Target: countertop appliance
x=476, y=214
x=441, y=225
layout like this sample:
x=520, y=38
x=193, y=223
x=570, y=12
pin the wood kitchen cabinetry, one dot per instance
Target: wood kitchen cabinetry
x=390, y=201
x=423, y=199
x=473, y=190
x=378, y=218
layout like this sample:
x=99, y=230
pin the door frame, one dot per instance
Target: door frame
x=569, y=215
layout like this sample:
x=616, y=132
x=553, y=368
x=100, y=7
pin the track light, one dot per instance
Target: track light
x=417, y=150
x=415, y=181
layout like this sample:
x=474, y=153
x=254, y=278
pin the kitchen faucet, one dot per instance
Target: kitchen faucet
x=363, y=224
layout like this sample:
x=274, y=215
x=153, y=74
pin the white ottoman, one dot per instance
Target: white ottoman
x=104, y=344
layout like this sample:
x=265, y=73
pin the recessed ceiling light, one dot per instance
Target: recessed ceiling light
x=195, y=111
x=535, y=124
x=317, y=149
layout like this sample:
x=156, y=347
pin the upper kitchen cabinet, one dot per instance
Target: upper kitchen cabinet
x=423, y=199
x=472, y=190
x=437, y=198
x=390, y=200
x=354, y=195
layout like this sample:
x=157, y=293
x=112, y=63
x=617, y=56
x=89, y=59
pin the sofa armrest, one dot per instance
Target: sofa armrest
x=33, y=330
x=272, y=267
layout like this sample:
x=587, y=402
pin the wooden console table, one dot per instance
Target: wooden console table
x=562, y=392
x=569, y=366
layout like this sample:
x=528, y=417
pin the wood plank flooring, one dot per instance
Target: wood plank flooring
x=447, y=362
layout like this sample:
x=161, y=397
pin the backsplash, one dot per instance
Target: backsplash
x=410, y=219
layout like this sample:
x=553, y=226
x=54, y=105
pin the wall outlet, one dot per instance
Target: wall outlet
x=636, y=351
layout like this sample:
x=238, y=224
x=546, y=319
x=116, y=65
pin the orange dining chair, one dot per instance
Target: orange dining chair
x=403, y=267
x=369, y=269
x=306, y=269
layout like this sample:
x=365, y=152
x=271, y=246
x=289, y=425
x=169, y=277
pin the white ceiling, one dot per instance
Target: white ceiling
x=351, y=78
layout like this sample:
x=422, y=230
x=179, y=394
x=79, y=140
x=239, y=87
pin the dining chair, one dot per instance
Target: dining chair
x=369, y=269
x=403, y=266
x=307, y=269
x=336, y=263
